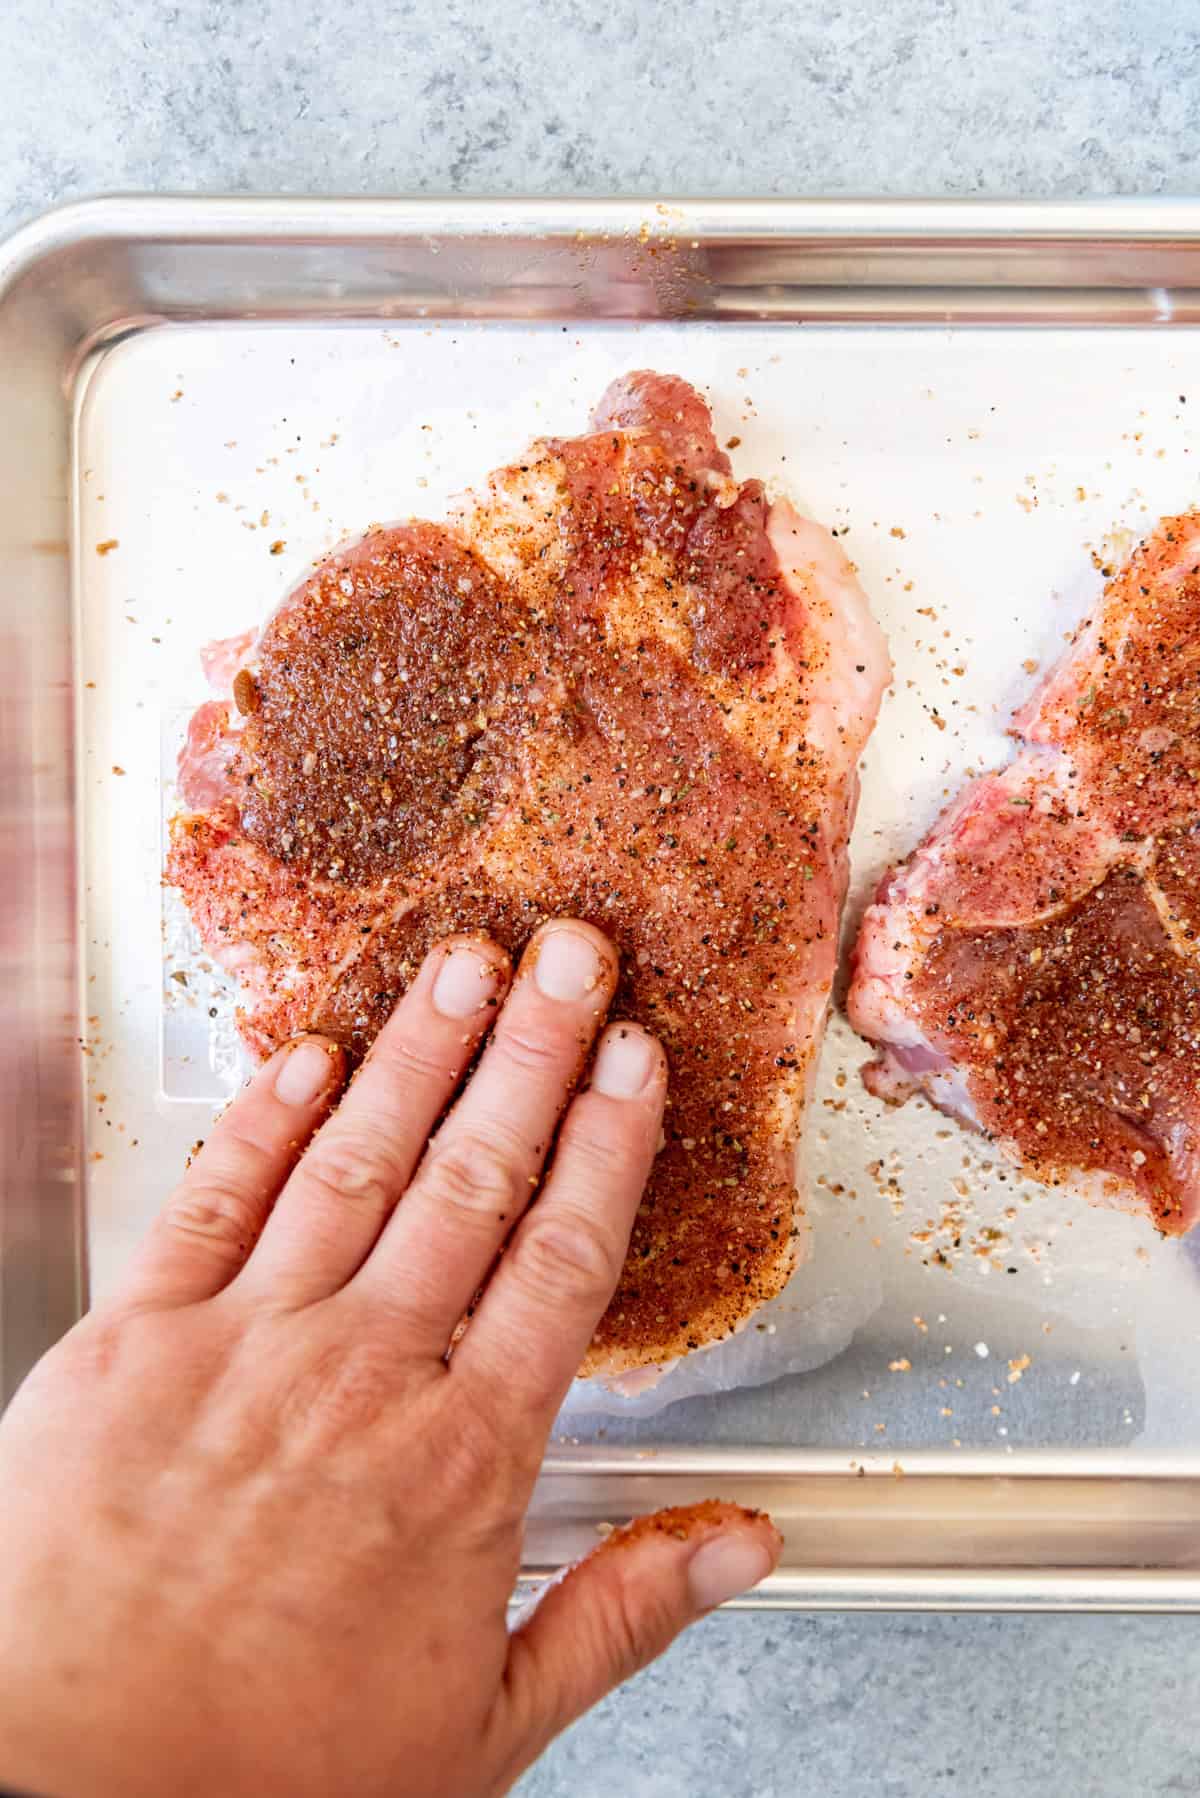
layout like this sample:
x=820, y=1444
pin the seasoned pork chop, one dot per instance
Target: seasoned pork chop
x=616, y=685
x=1033, y=966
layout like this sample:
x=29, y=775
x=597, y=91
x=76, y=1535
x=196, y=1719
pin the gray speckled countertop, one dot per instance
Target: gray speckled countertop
x=915, y=96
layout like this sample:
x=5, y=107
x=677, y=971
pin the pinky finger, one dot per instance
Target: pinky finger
x=215, y=1215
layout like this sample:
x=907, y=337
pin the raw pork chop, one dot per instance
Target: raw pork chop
x=1033, y=966
x=617, y=685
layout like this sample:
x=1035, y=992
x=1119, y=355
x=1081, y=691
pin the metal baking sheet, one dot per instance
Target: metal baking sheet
x=975, y=1393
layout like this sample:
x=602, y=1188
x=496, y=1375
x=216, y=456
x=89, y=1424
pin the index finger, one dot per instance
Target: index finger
x=553, y=1284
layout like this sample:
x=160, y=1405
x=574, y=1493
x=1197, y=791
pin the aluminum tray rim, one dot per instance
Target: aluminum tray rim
x=1143, y=1515
x=1127, y=217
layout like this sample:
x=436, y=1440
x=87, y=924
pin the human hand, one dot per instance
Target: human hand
x=258, y=1529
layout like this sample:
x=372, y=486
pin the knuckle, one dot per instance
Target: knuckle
x=121, y=1348
x=361, y=1171
x=568, y=1254
x=408, y=1061
x=234, y=1153
x=94, y=1350
x=599, y=1154
x=534, y=1052
x=215, y=1215
x=474, y=1174
x=342, y=1390
x=633, y=1628
x=481, y=1444
x=489, y=1454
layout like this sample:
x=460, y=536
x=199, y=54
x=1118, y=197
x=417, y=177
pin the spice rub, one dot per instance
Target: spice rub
x=616, y=685
x=1033, y=966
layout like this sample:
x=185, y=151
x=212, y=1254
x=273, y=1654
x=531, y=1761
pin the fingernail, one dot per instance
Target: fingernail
x=725, y=1566
x=465, y=983
x=306, y=1072
x=624, y=1064
x=567, y=965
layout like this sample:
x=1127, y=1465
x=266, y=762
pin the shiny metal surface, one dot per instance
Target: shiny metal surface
x=934, y=1531
x=1063, y=1528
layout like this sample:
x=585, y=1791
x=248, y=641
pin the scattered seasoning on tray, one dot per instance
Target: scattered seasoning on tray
x=109, y=544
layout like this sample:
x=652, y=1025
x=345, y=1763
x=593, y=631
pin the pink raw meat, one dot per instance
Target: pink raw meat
x=1032, y=967
x=617, y=685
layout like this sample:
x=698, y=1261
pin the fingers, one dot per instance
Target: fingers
x=215, y=1216
x=561, y=1269
x=343, y=1192
x=483, y=1165
x=617, y=1611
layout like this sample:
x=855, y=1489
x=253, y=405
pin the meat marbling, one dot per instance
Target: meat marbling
x=1033, y=966
x=617, y=685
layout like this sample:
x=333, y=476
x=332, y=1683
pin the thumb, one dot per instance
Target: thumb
x=617, y=1610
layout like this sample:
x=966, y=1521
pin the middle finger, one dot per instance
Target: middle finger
x=482, y=1167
